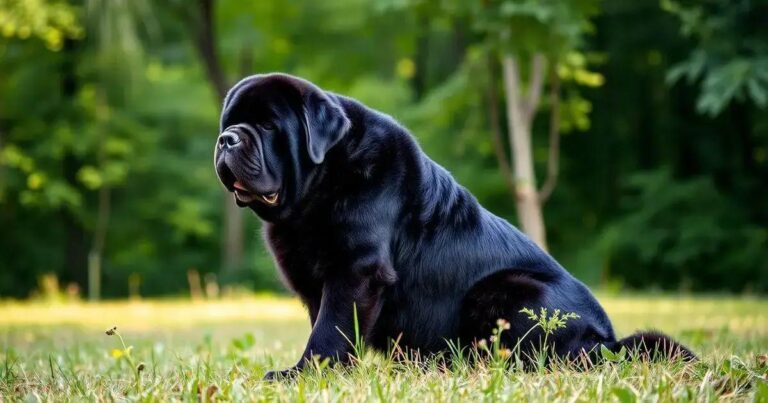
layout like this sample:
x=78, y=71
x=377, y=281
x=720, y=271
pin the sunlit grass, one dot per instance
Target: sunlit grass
x=221, y=349
x=145, y=314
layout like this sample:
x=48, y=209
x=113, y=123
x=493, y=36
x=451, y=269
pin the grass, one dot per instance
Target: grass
x=220, y=350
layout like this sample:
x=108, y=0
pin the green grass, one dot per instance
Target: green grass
x=220, y=351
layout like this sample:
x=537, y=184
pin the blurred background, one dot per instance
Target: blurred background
x=628, y=137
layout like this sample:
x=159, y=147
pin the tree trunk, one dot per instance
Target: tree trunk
x=232, y=254
x=520, y=112
x=75, y=246
x=232, y=248
x=95, y=256
x=206, y=46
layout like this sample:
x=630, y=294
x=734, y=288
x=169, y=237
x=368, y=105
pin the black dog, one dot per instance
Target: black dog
x=360, y=219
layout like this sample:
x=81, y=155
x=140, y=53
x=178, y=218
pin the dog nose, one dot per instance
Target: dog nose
x=228, y=139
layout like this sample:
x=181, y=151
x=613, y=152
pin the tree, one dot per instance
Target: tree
x=58, y=27
x=107, y=152
x=201, y=23
x=535, y=40
x=63, y=174
x=119, y=54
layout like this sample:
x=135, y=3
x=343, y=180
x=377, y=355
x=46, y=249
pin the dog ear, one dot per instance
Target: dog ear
x=325, y=123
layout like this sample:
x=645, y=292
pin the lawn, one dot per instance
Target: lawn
x=220, y=350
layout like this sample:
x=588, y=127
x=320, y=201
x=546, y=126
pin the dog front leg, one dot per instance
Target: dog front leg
x=334, y=330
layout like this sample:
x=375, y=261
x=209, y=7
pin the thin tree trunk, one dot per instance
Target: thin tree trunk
x=96, y=255
x=76, y=243
x=553, y=161
x=232, y=248
x=75, y=246
x=494, y=118
x=2, y=167
x=520, y=112
x=206, y=46
x=232, y=256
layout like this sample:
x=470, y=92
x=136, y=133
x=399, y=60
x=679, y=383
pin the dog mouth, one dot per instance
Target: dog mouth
x=246, y=196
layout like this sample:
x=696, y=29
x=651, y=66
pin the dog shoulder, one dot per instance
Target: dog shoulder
x=377, y=149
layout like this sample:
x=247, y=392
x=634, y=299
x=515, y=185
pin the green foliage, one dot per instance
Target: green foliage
x=689, y=234
x=611, y=356
x=51, y=21
x=530, y=26
x=730, y=58
x=113, y=96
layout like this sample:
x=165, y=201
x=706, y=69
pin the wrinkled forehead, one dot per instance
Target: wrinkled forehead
x=259, y=99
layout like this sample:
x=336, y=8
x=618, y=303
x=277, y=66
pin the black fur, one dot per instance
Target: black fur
x=366, y=219
x=650, y=345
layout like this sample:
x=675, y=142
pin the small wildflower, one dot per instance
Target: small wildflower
x=505, y=353
x=493, y=339
x=125, y=353
x=482, y=343
x=502, y=324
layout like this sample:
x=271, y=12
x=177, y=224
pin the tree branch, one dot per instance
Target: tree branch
x=205, y=43
x=515, y=103
x=493, y=117
x=553, y=161
x=535, y=84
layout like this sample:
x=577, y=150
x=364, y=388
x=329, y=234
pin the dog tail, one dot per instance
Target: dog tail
x=652, y=345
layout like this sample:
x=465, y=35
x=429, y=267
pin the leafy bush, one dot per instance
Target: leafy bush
x=684, y=233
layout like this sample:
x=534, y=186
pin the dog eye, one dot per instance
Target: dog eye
x=268, y=126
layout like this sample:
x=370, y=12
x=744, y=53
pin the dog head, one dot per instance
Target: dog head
x=275, y=131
